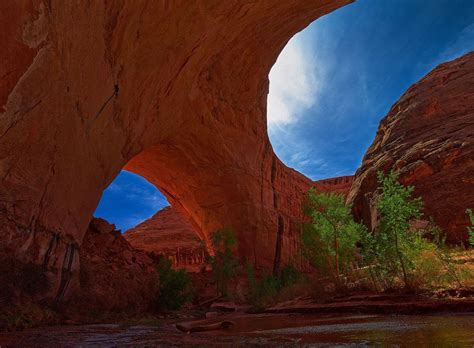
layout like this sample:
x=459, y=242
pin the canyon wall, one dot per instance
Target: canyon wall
x=174, y=91
x=340, y=184
x=114, y=276
x=170, y=234
x=428, y=136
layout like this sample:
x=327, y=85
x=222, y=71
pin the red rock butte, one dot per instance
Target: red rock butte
x=169, y=234
x=174, y=91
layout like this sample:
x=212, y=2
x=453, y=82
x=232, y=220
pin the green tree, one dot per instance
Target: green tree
x=329, y=238
x=394, y=246
x=224, y=263
x=470, y=229
x=175, y=286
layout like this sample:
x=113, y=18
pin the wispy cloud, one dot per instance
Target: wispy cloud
x=294, y=83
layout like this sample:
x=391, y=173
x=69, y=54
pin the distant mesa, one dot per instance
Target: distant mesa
x=170, y=235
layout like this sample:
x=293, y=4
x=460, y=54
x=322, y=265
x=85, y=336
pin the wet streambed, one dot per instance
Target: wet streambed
x=441, y=330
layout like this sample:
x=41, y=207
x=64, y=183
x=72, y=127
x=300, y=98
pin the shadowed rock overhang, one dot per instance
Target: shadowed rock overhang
x=174, y=91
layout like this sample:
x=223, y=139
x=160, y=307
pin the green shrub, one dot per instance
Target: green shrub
x=449, y=272
x=396, y=252
x=224, y=263
x=393, y=248
x=470, y=229
x=266, y=290
x=328, y=239
x=287, y=276
x=175, y=286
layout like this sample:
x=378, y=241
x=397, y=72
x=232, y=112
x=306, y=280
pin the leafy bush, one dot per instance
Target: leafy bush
x=393, y=248
x=287, y=276
x=265, y=290
x=396, y=252
x=329, y=239
x=470, y=229
x=175, y=286
x=448, y=272
x=224, y=263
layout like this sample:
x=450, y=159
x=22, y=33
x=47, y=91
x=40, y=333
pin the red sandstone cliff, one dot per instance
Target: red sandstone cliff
x=168, y=233
x=340, y=184
x=114, y=276
x=174, y=91
x=428, y=135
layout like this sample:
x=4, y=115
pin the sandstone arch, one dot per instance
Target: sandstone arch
x=161, y=87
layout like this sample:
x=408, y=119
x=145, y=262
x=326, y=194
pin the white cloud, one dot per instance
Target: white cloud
x=294, y=83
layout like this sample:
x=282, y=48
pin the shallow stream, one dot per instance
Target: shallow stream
x=443, y=330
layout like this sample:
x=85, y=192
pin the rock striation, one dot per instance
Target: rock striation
x=173, y=91
x=169, y=234
x=340, y=184
x=428, y=136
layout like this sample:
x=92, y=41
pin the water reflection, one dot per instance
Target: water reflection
x=422, y=331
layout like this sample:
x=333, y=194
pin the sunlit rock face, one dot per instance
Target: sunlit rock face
x=169, y=234
x=174, y=91
x=428, y=135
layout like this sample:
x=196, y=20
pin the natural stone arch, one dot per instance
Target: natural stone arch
x=91, y=87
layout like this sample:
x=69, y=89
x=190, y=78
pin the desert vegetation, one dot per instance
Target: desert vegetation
x=329, y=238
x=269, y=288
x=345, y=256
x=470, y=229
x=175, y=286
x=394, y=255
x=224, y=263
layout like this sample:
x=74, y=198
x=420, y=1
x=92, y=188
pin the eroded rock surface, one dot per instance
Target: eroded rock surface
x=114, y=276
x=169, y=234
x=174, y=91
x=428, y=135
x=340, y=184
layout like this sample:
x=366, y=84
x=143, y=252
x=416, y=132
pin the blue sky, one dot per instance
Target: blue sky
x=129, y=200
x=330, y=87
